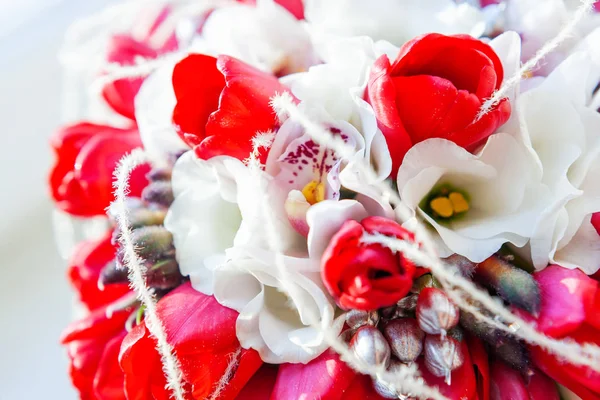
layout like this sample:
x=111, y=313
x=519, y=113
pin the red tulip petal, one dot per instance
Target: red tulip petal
x=202, y=333
x=476, y=134
x=506, y=383
x=480, y=362
x=582, y=380
x=109, y=379
x=86, y=264
x=85, y=341
x=198, y=84
x=87, y=155
x=325, y=378
x=430, y=106
x=120, y=94
x=459, y=58
x=381, y=94
x=141, y=365
x=541, y=387
x=244, y=106
x=565, y=296
x=261, y=385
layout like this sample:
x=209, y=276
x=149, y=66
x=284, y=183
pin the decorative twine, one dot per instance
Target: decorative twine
x=137, y=272
x=227, y=375
x=458, y=288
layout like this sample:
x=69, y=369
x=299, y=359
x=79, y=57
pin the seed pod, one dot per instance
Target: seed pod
x=112, y=273
x=462, y=264
x=405, y=338
x=436, y=313
x=386, y=390
x=388, y=313
x=146, y=217
x=153, y=243
x=159, y=174
x=408, y=304
x=442, y=356
x=422, y=282
x=159, y=192
x=164, y=275
x=357, y=318
x=370, y=346
x=511, y=283
x=511, y=351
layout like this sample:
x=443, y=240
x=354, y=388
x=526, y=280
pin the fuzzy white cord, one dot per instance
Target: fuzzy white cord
x=405, y=378
x=227, y=375
x=547, y=48
x=588, y=355
x=137, y=271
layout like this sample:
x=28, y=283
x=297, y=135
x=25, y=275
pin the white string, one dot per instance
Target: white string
x=547, y=48
x=137, y=271
x=588, y=355
x=227, y=375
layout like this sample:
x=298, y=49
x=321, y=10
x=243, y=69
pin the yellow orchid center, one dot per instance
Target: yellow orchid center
x=314, y=192
x=448, y=206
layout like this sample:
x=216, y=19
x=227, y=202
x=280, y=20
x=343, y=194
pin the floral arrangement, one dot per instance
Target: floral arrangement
x=334, y=199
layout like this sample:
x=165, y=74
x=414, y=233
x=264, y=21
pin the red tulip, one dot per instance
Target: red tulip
x=479, y=359
x=124, y=49
x=434, y=89
x=366, y=276
x=86, y=157
x=92, y=344
x=86, y=264
x=570, y=306
x=221, y=104
x=324, y=378
x=507, y=383
x=202, y=333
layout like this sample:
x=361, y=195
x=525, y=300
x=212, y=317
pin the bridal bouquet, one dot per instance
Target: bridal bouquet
x=335, y=199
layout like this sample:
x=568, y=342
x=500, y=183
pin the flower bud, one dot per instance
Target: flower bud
x=112, y=273
x=152, y=243
x=164, y=275
x=511, y=283
x=408, y=304
x=386, y=390
x=405, y=338
x=369, y=345
x=436, y=313
x=146, y=217
x=442, y=355
x=159, y=174
x=160, y=193
x=357, y=318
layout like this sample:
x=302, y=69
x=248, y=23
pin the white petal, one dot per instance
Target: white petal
x=583, y=251
x=326, y=218
x=154, y=106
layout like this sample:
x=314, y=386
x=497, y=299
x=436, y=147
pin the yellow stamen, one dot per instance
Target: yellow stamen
x=459, y=203
x=442, y=207
x=314, y=192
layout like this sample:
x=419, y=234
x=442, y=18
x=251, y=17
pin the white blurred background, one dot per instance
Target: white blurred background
x=35, y=300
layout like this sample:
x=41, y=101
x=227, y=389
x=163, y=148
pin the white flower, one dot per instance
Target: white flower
x=220, y=231
x=265, y=36
x=391, y=20
x=154, y=106
x=560, y=127
x=499, y=185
